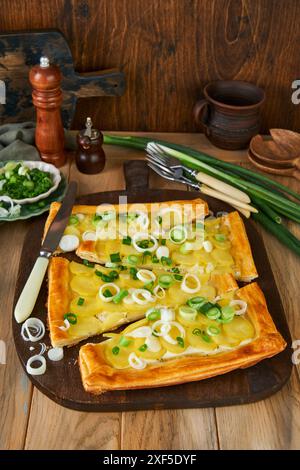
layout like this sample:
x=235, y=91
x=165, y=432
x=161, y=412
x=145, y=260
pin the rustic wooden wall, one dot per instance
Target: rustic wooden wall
x=169, y=49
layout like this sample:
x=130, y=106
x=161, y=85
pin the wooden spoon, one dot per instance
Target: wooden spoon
x=263, y=152
x=274, y=169
x=266, y=147
x=287, y=141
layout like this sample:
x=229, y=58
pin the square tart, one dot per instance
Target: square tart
x=99, y=376
x=69, y=281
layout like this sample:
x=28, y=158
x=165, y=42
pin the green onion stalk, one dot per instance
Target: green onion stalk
x=272, y=199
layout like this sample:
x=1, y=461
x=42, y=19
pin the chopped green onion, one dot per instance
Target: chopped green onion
x=197, y=332
x=133, y=273
x=96, y=219
x=120, y=296
x=88, y=263
x=149, y=286
x=178, y=234
x=124, y=341
x=163, y=241
x=155, y=259
x=205, y=337
x=145, y=254
x=180, y=341
x=107, y=293
x=115, y=258
x=159, y=219
x=80, y=301
x=228, y=313
x=178, y=277
x=204, y=308
x=73, y=220
x=165, y=261
x=220, y=237
x=143, y=347
x=133, y=259
x=165, y=280
x=175, y=270
x=187, y=313
x=108, y=215
x=144, y=243
x=71, y=317
x=115, y=350
x=154, y=315
x=113, y=275
x=213, y=330
x=213, y=313
x=126, y=240
x=196, y=302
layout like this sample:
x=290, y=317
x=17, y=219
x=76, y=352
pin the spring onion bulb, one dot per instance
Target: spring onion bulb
x=56, y=354
x=65, y=326
x=181, y=330
x=164, y=328
x=141, y=332
x=34, y=329
x=178, y=234
x=239, y=303
x=36, y=370
x=108, y=285
x=207, y=245
x=136, y=362
x=188, y=313
x=142, y=296
x=162, y=251
x=69, y=243
x=167, y=314
x=142, y=220
x=186, y=288
x=88, y=235
x=159, y=292
x=144, y=236
x=145, y=275
x=153, y=344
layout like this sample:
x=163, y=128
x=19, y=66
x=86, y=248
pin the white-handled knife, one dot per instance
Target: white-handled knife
x=30, y=292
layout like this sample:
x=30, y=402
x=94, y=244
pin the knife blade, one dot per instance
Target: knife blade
x=30, y=292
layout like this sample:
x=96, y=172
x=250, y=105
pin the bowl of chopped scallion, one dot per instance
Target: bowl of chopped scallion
x=26, y=182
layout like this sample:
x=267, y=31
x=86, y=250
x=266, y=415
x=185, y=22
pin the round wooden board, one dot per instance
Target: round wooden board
x=62, y=382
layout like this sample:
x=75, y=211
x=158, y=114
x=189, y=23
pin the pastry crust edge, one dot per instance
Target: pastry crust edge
x=98, y=376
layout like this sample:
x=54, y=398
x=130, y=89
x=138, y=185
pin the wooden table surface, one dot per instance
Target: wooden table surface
x=29, y=420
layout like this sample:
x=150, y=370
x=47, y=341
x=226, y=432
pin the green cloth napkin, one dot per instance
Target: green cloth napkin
x=17, y=141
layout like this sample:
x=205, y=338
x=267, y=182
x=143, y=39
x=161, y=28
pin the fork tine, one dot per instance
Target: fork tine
x=162, y=167
x=156, y=157
x=158, y=150
x=160, y=172
x=162, y=158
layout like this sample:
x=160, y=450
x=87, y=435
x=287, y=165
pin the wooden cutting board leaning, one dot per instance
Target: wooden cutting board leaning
x=20, y=51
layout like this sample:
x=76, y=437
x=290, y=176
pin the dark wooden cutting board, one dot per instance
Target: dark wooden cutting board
x=62, y=381
x=20, y=51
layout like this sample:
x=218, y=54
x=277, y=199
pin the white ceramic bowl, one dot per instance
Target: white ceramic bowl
x=43, y=167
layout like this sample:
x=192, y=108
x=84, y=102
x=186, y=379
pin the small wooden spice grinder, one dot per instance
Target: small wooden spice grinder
x=90, y=156
x=47, y=97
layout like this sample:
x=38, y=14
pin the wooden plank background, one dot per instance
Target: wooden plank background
x=169, y=49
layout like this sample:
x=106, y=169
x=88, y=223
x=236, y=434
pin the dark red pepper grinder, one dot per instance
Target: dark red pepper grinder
x=47, y=97
x=90, y=156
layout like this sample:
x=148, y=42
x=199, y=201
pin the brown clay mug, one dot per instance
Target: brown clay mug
x=230, y=113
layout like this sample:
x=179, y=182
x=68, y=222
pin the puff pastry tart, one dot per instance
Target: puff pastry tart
x=195, y=341
x=162, y=235
x=86, y=300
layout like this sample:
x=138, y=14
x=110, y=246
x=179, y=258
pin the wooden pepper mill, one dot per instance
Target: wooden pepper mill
x=47, y=97
x=90, y=156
